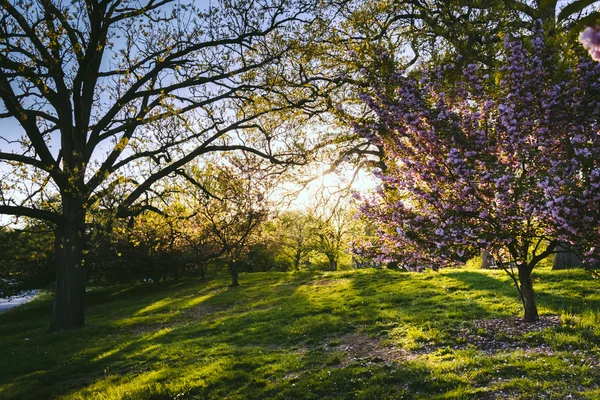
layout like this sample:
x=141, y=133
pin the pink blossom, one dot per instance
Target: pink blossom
x=590, y=39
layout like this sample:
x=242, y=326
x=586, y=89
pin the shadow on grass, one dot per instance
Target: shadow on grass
x=544, y=288
x=431, y=299
x=265, y=339
x=55, y=363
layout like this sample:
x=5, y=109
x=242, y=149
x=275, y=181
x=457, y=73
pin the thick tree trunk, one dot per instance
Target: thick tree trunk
x=565, y=259
x=487, y=261
x=527, y=294
x=67, y=311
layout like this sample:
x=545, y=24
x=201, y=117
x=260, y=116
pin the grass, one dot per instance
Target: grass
x=366, y=334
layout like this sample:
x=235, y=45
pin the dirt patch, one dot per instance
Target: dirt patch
x=516, y=326
x=358, y=346
x=489, y=335
x=497, y=334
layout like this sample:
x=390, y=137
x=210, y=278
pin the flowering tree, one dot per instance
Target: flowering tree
x=514, y=170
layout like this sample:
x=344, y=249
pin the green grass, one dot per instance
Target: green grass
x=368, y=334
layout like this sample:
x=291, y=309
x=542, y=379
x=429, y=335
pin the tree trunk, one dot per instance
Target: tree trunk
x=487, y=261
x=527, y=294
x=234, y=275
x=332, y=264
x=565, y=259
x=67, y=311
x=155, y=273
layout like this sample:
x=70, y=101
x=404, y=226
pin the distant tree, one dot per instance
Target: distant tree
x=117, y=95
x=334, y=226
x=296, y=232
x=513, y=170
x=154, y=241
x=199, y=243
x=265, y=251
x=231, y=202
x=26, y=257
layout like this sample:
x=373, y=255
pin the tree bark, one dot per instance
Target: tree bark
x=67, y=310
x=332, y=264
x=486, y=259
x=297, y=258
x=527, y=294
x=565, y=259
x=234, y=275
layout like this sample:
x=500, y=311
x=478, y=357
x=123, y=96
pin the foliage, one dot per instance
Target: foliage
x=26, y=258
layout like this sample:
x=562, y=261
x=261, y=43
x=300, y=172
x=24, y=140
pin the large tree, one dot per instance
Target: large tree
x=113, y=95
x=514, y=169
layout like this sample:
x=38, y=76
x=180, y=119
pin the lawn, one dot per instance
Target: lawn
x=365, y=334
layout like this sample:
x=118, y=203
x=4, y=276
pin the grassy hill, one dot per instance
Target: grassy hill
x=368, y=334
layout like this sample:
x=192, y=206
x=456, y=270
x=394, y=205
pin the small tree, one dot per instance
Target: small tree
x=230, y=202
x=333, y=228
x=296, y=233
x=513, y=170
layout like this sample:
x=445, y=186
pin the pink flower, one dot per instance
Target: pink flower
x=590, y=39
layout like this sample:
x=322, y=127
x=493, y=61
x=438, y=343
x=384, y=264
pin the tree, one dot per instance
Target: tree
x=154, y=241
x=440, y=30
x=297, y=237
x=513, y=170
x=333, y=232
x=231, y=202
x=436, y=32
x=333, y=222
x=117, y=95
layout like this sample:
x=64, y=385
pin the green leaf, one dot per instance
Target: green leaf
x=589, y=20
x=546, y=4
x=573, y=8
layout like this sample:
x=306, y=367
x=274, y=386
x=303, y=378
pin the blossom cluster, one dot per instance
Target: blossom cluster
x=590, y=39
x=501, y=168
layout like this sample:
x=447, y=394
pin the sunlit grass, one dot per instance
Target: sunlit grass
x=369, y=334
